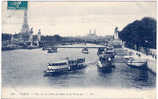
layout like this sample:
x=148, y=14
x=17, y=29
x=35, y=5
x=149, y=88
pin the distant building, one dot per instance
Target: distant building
x=92, y=35
x=117, y=43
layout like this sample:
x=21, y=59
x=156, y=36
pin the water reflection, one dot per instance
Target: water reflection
x=66, y=79
x=104, y=72
x=139, y=77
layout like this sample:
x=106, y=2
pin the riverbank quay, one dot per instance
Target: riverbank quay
x=6, y=48
x=16, y=47
x=151, y=61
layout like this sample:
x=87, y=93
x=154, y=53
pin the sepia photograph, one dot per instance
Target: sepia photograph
x=78, y=50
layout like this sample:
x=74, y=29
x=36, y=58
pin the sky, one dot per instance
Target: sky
x=76, y=18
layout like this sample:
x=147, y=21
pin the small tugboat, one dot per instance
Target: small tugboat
x=85, y=50
x=65, y=66
x=52, y=50
x=105, y=63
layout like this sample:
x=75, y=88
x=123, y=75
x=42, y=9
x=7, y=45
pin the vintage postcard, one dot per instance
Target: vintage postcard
x=78, y=49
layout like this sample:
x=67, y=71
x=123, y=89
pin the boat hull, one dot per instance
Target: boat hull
x=85, y=52
x=138, y=65
x=56, y=72
x=77, y=67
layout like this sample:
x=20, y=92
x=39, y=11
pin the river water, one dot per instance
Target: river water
x=26, y=68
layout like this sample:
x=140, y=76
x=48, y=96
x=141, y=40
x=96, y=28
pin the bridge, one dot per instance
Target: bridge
x=79, y=47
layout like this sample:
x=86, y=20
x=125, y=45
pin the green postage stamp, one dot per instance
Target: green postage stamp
x=17, y=5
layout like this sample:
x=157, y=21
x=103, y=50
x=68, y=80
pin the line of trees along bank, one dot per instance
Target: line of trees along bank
x=140, y=33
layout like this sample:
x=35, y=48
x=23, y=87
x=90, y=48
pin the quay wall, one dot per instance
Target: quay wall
x=151, y=65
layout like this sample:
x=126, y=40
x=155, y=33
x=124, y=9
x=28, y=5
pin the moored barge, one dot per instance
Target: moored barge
x=137, y=62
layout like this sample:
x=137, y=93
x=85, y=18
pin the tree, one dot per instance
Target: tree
x=141, y=33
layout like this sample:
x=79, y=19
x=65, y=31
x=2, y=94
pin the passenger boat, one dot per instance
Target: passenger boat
x=52, y=50
x=85, y=50
x=105, y=62
x=65, y=66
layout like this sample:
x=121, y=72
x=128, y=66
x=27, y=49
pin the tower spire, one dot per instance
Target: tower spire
x=25, y=26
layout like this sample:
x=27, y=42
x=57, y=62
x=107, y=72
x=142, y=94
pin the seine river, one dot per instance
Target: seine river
x=26, y=68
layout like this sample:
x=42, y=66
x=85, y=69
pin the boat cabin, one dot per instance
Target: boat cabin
x=58, y=65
